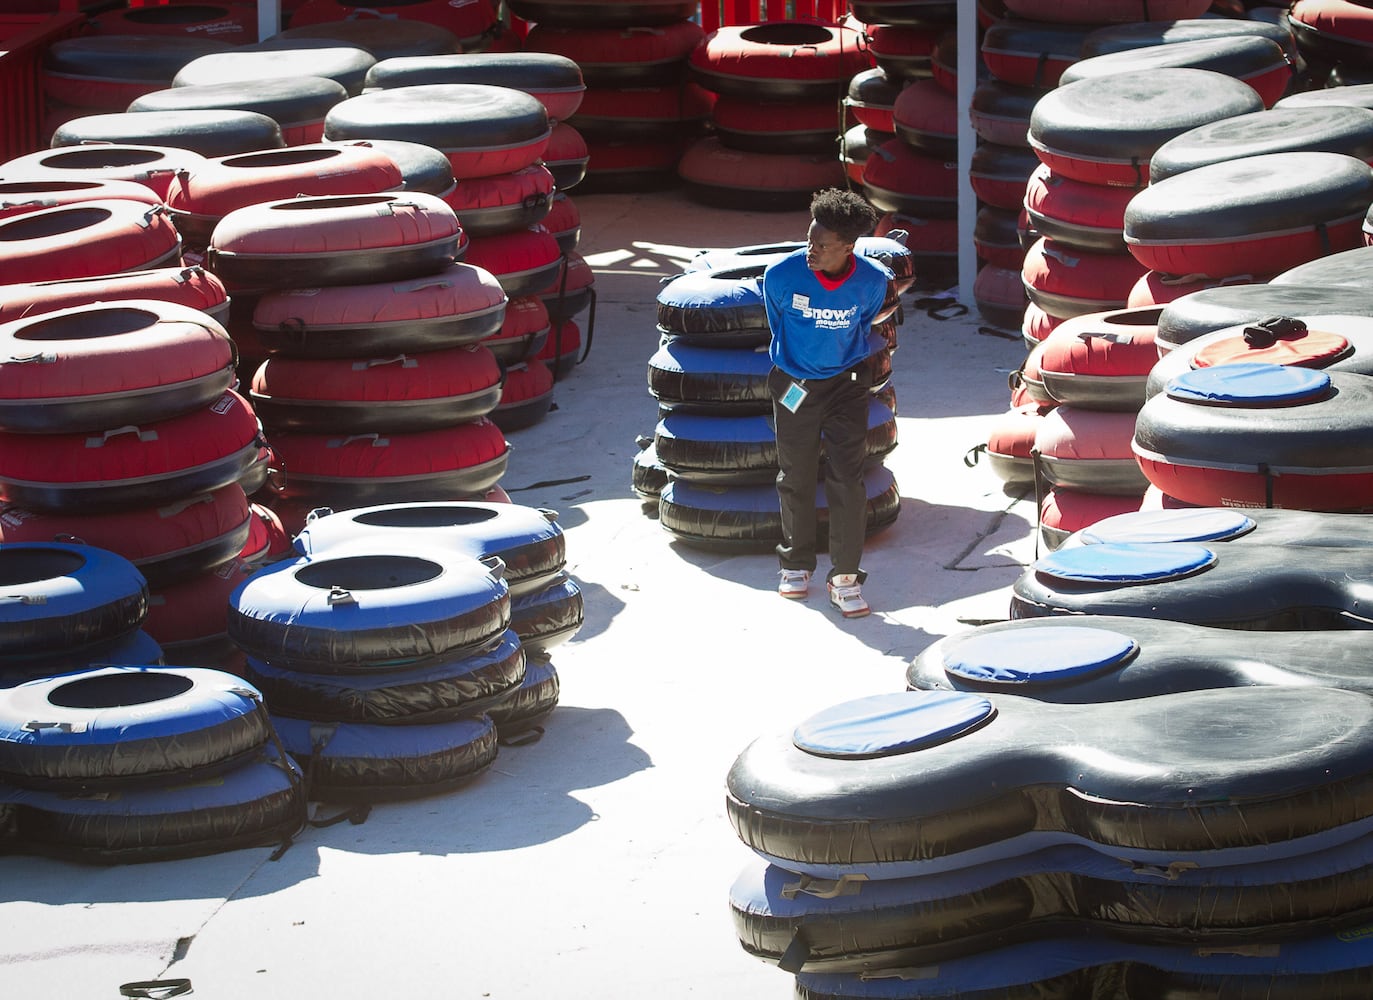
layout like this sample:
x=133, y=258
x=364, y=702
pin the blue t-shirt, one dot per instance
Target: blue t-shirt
x=818, y=333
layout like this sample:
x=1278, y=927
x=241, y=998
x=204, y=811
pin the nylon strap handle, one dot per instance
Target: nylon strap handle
x=156, y=989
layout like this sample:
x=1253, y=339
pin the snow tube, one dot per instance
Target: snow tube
x=208, y=132
x=385, y=37
x=563, y=350
x=564, y=221
x=199, y=199
x=483, y=130
x=999, y=174
x=1184, y=320
x=1101, y=361
x=1077, y=215
x=871, y=97
x=523, y=333
x=19, y=197
x=450, y=463
x=133, y=648
x=346, y=65
x=400, y=392
x=1110, y=12
x=131, y=466
x=712, y=380
x=779, y=60
x=910, y=13
x=898, y=178
x=1000, y=112
x=166, y=542
x=267, y=539
x=714, y=308
x=235, y=23
x=1348, y=267
x=1159, y=288
x=190, y=616
x=527, y=540
x=745, y=518
x=457, y=305
x=1265, y=436
x=1064, y=511
x=566, y=156
x=1000, y=296
x=549, y=616
x=107, y=364
x=629, y=56
x=1332, y=31
x=901, y=51
x=617, y=166
x=1036, y=324
x=1065, y=282
x=603, y=13
x=748, y=261
x=1142, y=34
x=468, y=21
x=1253, y=526
x=334, y=240
x=107, y=72
x=1104, y=130
x=555, y=81
x=643, y=114
x=422, y=168
x=1027, y=380
x=995, y=237
x=925, y=117
x=1349, y=96
x=855, y=146
x=1323, y=128
x=776, y=126
x=297, y=104
x=648, y=478
x=1010, y=441
x=1267, y=212
x=504, y=203
x=152, y=166
x=259, y=803
x=192, y=287
x=91, y=237
x=1032, y=54
x=351, y=611
x=526, y=395
x=1334, y=342
x=519, y=714
x=523, y=261
x=1090, y=451
x=833, y=797
x=67, y=596
x=732, y=178
x=442, y=689
x=1259, y=62
x=571, y=290
x=356, y=762
x=113, y=726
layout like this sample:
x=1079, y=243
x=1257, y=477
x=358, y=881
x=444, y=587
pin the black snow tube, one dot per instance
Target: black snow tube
x=1210, y=309
x=297, y=104
x=344, y=64
x=549, y=616
x=207, y=132
x=554, y=80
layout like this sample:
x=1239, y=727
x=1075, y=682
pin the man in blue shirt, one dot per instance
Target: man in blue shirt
x=821, y=303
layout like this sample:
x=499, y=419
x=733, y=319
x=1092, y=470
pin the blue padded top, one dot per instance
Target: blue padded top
x=1122, y=562
x=1249, y=384
x=1198, y=524
x=1037, y=656
x=881, y=725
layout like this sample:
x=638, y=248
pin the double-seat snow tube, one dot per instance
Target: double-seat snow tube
x=87, y=238
x=554, y=80
x=346, y=65
x=456, y=305
x=334, y=240
x=528, y=540
x=1259, y=62
x=1211, y=309
x=360, y=611
x=1261, y=435
x=779, y=60
x=837, y=795
x=297, y=104
x=1253, y=526
x=66, y=596
x=108, y=364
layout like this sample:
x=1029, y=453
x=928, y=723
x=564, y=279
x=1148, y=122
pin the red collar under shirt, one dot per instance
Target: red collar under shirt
x=830, y=284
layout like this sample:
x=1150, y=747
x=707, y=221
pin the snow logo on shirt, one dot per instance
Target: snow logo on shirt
x=831, y=319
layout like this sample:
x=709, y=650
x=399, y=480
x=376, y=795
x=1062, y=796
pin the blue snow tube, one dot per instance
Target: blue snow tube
x=519, y=714
x=721, y=308
x=137, y=648
x=127, y=725
x=547, y=617
x=358, y=611
x=55, y=596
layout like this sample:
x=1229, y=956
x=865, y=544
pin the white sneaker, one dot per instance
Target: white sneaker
x=795, y=583
x=847, y=595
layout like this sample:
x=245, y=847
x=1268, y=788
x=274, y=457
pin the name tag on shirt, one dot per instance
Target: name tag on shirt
x=799, y=301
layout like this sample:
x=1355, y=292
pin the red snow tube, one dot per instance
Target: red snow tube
x=20, y=196
x=999, y=174
x=603, y=13
x=903, y=52
x=1268, y=212
x=776, y=127
x=564, y=221
x=1090, y=450
x=297, y=104
x=1102, y=360
x=1339, y=31
x=468, y=20
x=616, y=166
x=925, y=116
x=93, y=237
x=994, y=237
x=1107, y=11
x=1000, y=296
x=523, y=333
x=267, y=539
x=384, y=37
x=563, y=349
x=643, y=113
x=487, y=205
x=570, y=291
x=334, y=240
x=1259, y=62
x=107, y=364
x=933, y=246
x=458, y=305
x=1030, y=54
x=1011, y=441
x=1001, y=112
x=896, y=178
x=401, y=392
x=566, y=156
x=193, y=287
x=235, y=23
x=1036, y=325
x=450, y=463
x=1028, y=379
x=779, y=60
x=1065, y=511
x=526, y=396
x=198, y=199
x=190, y=618
x=1065, y=282
x=1157, y=288
x=917, y=13
x=131, y=466
x=483, y=130
x=167, y=542
x=735, y=178
x=631, y=56
x=1073, y=214
x=152, y=166
x=872, y=97
x=107, y=72
x=555, y=81
x=523, y=261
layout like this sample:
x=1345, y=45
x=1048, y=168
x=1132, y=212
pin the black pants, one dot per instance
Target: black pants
x=834, y=411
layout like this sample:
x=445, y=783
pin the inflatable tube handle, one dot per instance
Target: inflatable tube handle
x=157, y=989
x=103, y=439
x=173, y=509
x=400, y=359
x=496, y=565
x=377, y=441
x=372, y=14
x=824, y=888
x=337, y=596
x=549, y=514
x=147, y=220
x=316, y=513
x=1172, y=872
x=37, y=357
x=33, y=726
x=1061, y=257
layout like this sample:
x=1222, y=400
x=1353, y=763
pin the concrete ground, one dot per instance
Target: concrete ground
x=596, y=862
